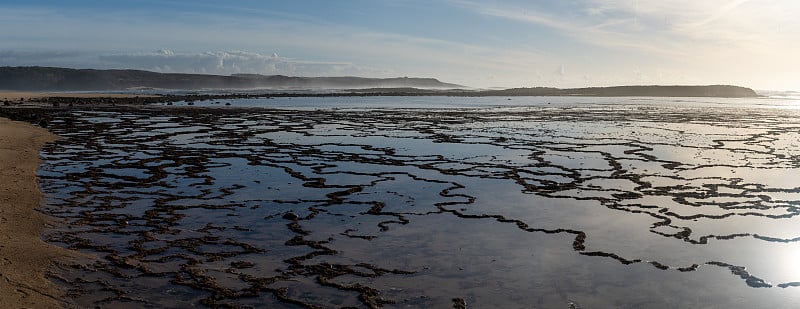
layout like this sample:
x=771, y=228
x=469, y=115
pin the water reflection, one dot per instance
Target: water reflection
x=597, y=205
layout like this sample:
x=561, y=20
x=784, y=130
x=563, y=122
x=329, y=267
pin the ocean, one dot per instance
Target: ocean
x=518, y=202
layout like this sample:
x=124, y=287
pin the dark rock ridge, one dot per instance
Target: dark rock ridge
x=63, y=79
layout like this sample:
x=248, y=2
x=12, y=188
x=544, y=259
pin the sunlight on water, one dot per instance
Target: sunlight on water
x=790, y=262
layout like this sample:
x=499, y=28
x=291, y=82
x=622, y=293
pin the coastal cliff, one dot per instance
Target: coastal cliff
x=63, y=79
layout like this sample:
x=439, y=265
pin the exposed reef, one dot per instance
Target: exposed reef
x=550, y=207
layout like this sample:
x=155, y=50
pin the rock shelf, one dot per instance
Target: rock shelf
x=383, y=208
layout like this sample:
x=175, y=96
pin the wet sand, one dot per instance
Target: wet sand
x=23, y=255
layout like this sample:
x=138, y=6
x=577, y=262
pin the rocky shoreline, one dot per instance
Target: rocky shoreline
x=99, y=99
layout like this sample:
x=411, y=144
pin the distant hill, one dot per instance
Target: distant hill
x=635, y=91
x=650, y=91
x=62, y=79
x=721, y=91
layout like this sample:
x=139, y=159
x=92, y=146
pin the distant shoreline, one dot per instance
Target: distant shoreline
x=131, y=82
x=62, y=99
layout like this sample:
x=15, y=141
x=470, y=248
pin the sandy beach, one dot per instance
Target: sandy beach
x=24, y=257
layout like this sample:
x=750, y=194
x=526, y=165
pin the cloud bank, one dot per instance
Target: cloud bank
x=229, y=62
x=168, y=61
x=45, y=58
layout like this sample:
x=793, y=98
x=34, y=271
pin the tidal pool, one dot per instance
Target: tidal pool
x=584, y=206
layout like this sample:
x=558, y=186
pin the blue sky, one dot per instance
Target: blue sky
x=502, y=43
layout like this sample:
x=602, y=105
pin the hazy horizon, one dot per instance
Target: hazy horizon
x=504, y=44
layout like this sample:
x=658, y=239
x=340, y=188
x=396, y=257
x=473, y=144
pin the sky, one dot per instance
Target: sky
x=502, y=43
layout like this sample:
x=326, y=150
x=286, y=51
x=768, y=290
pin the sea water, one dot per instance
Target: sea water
x=516, y=202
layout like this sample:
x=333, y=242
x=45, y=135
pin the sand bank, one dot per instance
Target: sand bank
x=24, y=257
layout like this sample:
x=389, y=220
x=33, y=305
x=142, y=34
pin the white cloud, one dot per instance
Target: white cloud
x=168, y=61
x=594, y=27
x=317, y=47
x=681, y=41
x=675, y=27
